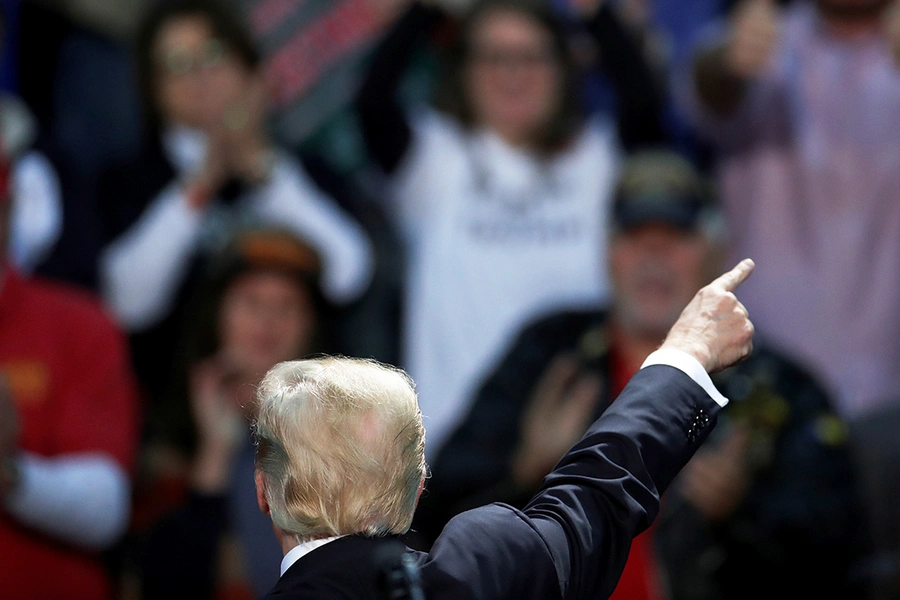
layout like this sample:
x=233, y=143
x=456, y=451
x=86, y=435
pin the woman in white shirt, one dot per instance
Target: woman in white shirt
x=501, y=195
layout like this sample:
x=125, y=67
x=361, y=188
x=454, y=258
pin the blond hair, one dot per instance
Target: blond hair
x=341, y=447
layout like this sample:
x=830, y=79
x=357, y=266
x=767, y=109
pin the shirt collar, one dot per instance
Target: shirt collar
x=302, y=549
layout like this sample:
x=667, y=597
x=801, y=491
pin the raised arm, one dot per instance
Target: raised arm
x=722, y=72
x=606, y=490
x=574, y=537
x=385, y=129
x=142, y=269
x=291, y=198
x=640, y=97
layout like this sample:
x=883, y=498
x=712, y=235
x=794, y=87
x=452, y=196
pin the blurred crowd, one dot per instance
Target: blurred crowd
x=513, y=200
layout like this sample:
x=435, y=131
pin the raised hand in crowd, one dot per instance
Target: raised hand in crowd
x=558, y=414
x=722, y=71
x=752, y=37
x=239, y=146
x=217, y=398
x=245, y=130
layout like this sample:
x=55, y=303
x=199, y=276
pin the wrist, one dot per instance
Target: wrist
x=696, y=351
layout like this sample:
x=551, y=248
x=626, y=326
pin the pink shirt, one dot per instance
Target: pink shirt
x=809, y=171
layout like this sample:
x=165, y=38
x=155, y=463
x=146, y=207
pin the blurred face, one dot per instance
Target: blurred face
x=197, y=75
x=265, y=318
x=512, y=76
x=656, y=269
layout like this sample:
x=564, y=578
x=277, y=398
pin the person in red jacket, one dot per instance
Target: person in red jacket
x=68, y=432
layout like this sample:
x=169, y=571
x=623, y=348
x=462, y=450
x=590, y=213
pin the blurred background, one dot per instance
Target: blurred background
x=510, y=199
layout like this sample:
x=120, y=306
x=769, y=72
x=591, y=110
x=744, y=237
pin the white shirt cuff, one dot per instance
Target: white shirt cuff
x=690, y=366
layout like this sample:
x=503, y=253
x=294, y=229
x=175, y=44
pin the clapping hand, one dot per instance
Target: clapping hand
x=559, y=412
x=238, y=145
x=220, y=420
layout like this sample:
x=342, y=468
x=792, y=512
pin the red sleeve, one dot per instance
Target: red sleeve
x=97, y=395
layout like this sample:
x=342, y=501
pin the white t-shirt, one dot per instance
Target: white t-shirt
x=496, y=237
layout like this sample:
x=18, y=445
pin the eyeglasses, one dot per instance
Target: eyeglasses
x=508, y=58
x=179, y=61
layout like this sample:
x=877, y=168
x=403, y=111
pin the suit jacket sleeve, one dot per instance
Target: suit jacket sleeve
x=573, y=538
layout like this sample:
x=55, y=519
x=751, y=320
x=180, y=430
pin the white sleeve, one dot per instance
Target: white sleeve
x=291, y=199
x=140, y=272
x=690, y=366
x=439, y=144
x=80, y=499
x=37, y=210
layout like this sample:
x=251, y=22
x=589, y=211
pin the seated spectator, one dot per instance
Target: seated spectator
x=770, y=506
x=498, y=194
x=209, y=166
x=68, y=432
x=259, y=304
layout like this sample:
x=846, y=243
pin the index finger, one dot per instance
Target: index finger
x=733, y=278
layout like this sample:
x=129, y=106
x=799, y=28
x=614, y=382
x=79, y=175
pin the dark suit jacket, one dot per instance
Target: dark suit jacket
x=799, y=525
x=572, y=539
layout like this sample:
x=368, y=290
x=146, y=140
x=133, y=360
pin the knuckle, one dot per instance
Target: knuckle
x=727, y=301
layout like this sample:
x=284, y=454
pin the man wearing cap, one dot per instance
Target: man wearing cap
x=771, y=499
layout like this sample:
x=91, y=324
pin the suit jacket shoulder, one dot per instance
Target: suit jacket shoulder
x=345, y=569
x=573, y=539
x=580, y=525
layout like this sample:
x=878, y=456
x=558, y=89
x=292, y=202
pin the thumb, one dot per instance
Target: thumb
x=551, y=387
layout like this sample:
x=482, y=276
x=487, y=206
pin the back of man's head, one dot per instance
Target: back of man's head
x=340, y=447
